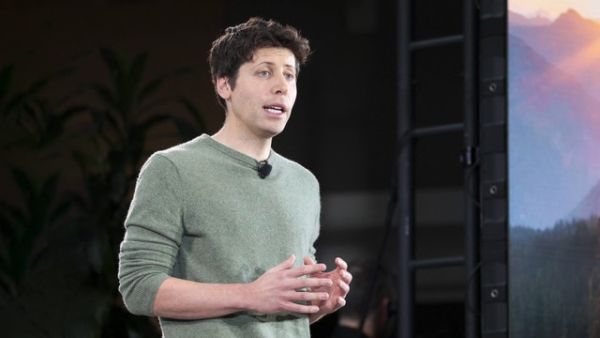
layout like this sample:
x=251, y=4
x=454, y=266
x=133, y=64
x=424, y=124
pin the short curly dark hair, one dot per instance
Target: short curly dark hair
x=238, y=44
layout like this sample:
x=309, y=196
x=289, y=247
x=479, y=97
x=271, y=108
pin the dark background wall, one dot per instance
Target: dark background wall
x=343, y=129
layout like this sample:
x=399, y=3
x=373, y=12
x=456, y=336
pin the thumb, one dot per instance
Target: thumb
x=288, y=263
x=309, y=261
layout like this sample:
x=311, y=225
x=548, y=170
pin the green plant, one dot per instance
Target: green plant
x=127, y=108
x=36, y=121
x=42, y=274
x=72, y=238
x=23, y=228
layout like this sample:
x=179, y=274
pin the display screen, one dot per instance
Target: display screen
x=554, y=168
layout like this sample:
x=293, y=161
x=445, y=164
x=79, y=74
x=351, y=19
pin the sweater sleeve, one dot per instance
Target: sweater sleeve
x=153, y=232
x=312, y=251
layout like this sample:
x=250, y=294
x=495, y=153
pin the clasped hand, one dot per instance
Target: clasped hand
x=282, y=287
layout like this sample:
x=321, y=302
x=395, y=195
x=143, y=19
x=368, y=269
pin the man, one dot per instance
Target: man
x=220, y=232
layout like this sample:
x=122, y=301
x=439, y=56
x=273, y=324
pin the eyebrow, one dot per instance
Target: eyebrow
x=287, y=65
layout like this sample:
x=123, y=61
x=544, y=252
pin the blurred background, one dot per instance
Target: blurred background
x=90, y=88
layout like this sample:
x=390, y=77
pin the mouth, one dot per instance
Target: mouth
x=276, y=109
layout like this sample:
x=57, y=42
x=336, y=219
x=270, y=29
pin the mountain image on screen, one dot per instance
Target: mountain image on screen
x=589, y=206
x=554, y=113
x=554, y=175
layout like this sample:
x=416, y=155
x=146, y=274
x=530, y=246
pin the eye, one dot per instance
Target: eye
x=263, y=73
x=290, y=76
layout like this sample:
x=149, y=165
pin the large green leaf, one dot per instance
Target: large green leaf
x=40, y=84
x=145, y=125
x=7, y=229
x=14, y=217
x=149, y=89
x=188, y=130
x=118, y=126
x=48, y=190
x=113, y=62
x=56, y=122
x=17, y=101
x=106, y=94
x=6, y=75
x=24, y=183
x=72, y=112
x=153, y=86
x=185, y=129
x=29, y=225
x=194, y=112
x=136, y=71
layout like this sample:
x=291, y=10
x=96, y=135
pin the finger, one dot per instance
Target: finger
x=341, y=302
x=306, y=270
x=298, y=308
x=307, y=296
x=288, y=263
x=301, y=283
x=341, y=263
x=346, y=277
x=345, y=288
x=309, y=261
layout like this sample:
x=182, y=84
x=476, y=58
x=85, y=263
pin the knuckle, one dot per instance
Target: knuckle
x=282, y=305
x=315, y=283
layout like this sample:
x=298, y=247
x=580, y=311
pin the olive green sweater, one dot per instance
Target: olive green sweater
x=200, y=212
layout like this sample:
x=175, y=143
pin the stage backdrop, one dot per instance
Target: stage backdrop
x=554, y=168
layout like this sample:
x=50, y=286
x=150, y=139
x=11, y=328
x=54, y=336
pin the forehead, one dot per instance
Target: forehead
x=277, y=55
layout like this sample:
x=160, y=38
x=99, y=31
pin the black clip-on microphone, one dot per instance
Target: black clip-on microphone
x=263, y=168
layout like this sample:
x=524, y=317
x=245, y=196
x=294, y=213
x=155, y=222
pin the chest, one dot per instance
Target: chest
x=249, y=212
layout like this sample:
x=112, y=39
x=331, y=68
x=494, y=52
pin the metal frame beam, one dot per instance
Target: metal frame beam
x=405, y=220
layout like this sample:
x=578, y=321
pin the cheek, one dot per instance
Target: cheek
x=243, y=97
x=293, y=94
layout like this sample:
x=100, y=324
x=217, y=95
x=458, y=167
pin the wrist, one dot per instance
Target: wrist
x=243, y=294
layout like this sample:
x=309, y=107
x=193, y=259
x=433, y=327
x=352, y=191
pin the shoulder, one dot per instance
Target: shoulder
x=179, y=155
x=171, y=163
x=184, y=150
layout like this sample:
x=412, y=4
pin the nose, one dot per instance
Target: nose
x=280, y=85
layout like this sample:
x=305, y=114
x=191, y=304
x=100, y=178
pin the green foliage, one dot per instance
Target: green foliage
x=555, y=280
x=23, y=228
x=39, y=121
x=129, y=107
x=71, y=238
x=6, y=74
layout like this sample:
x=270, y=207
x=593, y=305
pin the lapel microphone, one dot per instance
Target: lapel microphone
x=263, y=168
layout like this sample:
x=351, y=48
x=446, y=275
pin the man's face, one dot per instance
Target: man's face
x=264, y=94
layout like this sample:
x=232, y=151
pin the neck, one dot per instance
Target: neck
x=247, y=144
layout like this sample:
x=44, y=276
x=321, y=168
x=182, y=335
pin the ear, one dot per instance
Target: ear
x=223, y=88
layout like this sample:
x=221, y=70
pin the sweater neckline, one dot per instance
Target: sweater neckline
x=241, y=157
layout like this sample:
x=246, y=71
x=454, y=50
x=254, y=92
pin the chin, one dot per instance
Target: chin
x=272, y=132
